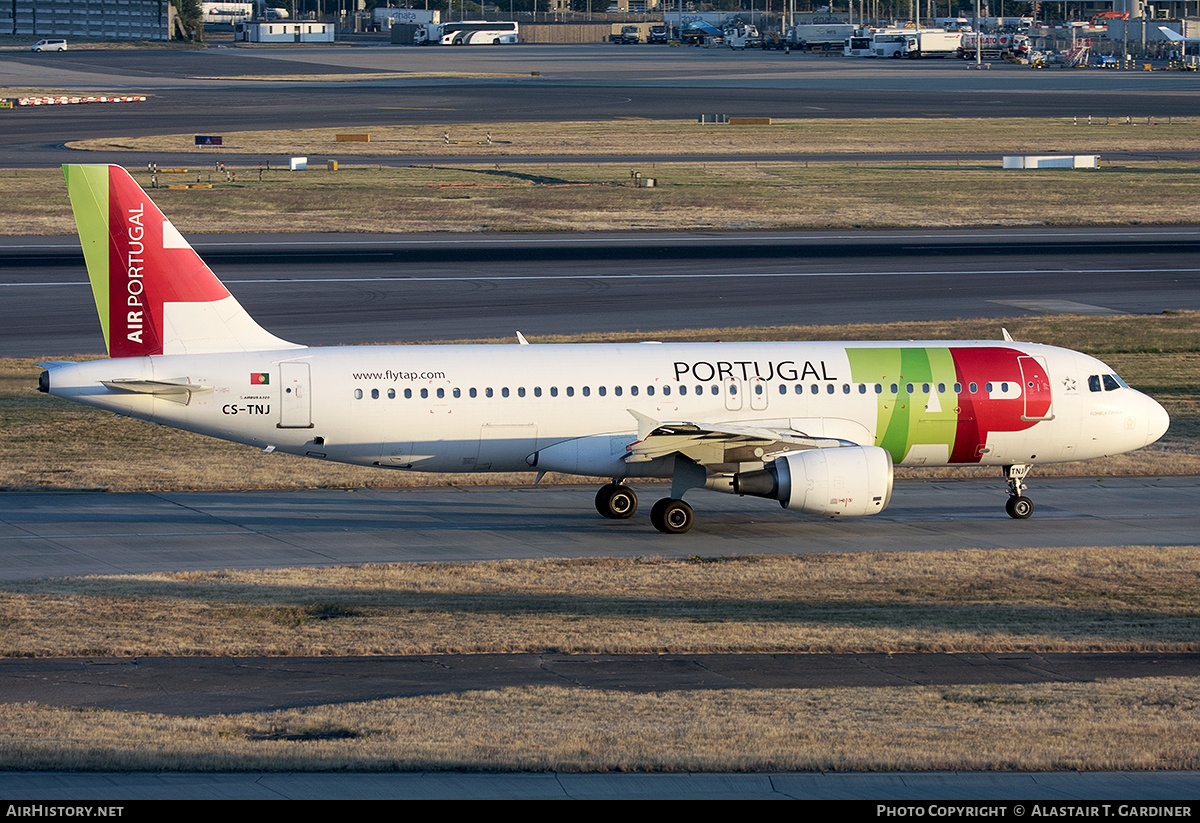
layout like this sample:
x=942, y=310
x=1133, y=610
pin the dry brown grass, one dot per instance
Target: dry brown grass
x=644, y=137
x=1053, y=600
x=597, y=196
x=1110, y=725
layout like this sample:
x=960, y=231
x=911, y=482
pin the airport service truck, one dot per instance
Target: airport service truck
x=931, y=43
x=830, y=36
x=993, y=46
x=742, y=35
x=630, y=33
x=467, y=33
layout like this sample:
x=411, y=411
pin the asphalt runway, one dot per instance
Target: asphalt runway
x=55, y=534
x=343, y=289
x=205, y=686
x=213, y=90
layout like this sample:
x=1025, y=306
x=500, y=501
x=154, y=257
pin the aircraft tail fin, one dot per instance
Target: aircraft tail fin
x=1171, y=34
x=153, y=293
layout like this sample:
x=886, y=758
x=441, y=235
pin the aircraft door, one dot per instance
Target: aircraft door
x=295, y=401
x=1035, y=388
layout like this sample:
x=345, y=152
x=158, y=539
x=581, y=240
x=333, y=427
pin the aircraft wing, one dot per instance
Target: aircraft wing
x=712, y=444
x=1175, y=36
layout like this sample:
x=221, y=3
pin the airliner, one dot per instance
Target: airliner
x=816, y=426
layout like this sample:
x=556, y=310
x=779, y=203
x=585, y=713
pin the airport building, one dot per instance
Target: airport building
x=123, y=19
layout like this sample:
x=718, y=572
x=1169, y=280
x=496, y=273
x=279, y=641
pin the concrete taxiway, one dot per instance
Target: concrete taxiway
x=54, y=534
x=1059, y=790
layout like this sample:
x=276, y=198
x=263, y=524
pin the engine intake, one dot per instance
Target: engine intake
x=850, y=481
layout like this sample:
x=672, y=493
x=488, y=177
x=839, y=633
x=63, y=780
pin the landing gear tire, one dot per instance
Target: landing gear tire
x=616, y=501
x=1019, y=508
x=672, y=516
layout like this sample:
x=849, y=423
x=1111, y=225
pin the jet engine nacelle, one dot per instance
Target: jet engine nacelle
x=849, y=481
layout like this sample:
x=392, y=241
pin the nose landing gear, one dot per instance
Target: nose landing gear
x=1019, y=507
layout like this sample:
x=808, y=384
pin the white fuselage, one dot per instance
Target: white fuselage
x=495, y=408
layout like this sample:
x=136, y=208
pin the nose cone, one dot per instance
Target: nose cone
x=1157, y=420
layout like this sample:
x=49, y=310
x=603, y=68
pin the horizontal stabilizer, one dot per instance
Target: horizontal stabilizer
x=177, y=391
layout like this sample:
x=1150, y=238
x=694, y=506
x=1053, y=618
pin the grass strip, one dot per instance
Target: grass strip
x=601, y=197
x=1010, y=135
x=1049, y=600
x=1144, y=724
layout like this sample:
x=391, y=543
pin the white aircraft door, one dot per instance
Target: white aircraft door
x=295, y=402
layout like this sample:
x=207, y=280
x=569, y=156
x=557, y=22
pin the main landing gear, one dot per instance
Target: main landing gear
x=671, y=516
x=617, y=501
x=1019, y=507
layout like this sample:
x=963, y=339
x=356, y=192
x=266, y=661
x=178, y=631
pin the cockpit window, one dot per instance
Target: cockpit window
x=1109, y=382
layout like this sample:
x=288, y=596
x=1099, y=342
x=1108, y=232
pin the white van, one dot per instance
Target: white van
x=49, y=45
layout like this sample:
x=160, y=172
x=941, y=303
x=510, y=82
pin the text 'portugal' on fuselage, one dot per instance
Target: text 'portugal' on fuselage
x=816, y=426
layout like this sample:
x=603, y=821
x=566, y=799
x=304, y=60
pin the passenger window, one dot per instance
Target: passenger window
x=908, y=389
x=488, y=391
x=895, y=389
x=666, y=391
x=617, y=390
x=879, y=388
x=520, y=391
x=441, y=393
x=458, y=393
x=649, y=391
x=554, y=391
x=391, y=394
x=587, y=391
x=958, y=388
x=408, y=394
x=716, y=389
x=1003, y=388
x=504, y=392
x=537, y=391
x=987, y=387
x=472, y=392
x=862, y=388
x=358, y=394
x=941, y=388
x=758, y=389
x=633, y=390
x=829, y=388
x=733, y=388
x=814, y=388
x=973, y=387
x=601, y=390
x=424, y=393
x=374, y=394
x=924, y=388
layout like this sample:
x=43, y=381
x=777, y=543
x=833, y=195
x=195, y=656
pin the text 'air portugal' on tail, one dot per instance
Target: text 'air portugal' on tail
x=153, y=292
